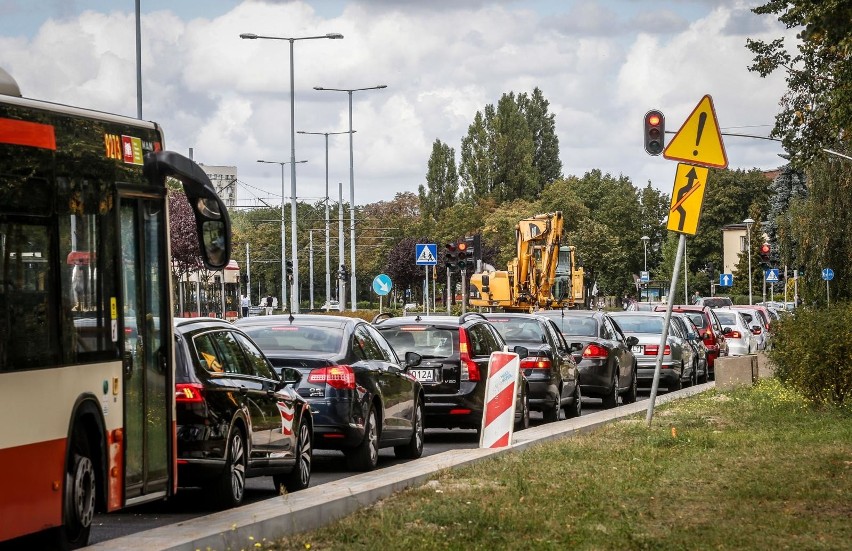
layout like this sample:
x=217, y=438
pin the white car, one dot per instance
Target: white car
x=740, y=337
x=332, y=305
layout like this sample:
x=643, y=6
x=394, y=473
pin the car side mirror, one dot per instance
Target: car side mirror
x=521, y=351
x=290, y=376
x=632, y=341
x=726, y=331
x=412, y=359
x=756, y=329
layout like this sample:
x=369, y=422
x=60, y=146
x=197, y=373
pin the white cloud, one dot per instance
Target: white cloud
x=600, y=65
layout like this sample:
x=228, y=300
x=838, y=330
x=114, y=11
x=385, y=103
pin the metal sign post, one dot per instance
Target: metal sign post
x=656, y=384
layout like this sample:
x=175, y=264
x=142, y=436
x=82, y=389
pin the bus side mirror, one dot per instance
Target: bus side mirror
x=212, y=222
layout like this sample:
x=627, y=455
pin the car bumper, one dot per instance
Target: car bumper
x=595, y=378
x=669, y=374
x=542, y=392
x=338, y=423
x=737, y=349
x=462, y=409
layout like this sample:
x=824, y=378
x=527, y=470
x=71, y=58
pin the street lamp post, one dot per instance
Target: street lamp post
x=351, y=186
x=294, y=245
x=749, y=222
x=645, y=240
x=327, y=263
x=283, y=234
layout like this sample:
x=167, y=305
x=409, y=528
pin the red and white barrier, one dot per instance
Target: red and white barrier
x=498, y=419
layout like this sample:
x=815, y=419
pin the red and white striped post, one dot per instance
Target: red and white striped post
x=498, y=419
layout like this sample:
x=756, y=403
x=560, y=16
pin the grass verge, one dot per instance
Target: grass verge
x=750, y=469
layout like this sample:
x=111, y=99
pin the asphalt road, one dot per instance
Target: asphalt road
x=328, y=466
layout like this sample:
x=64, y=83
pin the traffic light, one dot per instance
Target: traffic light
x=289, y=269
x=451, y=257
x=469, y=253
x=463, y=255
x=655, y=132
x=343, y=273
x=765, y=251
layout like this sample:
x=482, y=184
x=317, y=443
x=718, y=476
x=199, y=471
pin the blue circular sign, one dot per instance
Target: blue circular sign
x=382, y=284
x=827, y=274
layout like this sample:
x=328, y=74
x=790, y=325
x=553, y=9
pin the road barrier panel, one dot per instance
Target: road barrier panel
x=498, y=417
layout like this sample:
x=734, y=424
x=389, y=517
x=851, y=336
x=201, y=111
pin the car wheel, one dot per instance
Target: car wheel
x=524, y=421
x=576, y=407
x=79, y=494
x=414, y=448
x=365, y=456
x=300, y=477
x=629, y=397
x=551, y=414
x=679, y=384
x=611, y=399
x=231, y=486
x=704, y=378
x=694, y=380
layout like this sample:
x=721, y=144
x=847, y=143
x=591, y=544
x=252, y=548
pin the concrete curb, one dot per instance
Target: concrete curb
x=314, y=507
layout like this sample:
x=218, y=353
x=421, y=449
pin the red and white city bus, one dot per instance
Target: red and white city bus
x=86, y=343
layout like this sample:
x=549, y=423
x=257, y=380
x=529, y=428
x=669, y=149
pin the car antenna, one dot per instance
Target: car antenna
x=417, y=318
x=291, y=318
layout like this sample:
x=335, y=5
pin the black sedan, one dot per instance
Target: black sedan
x=236, y=417
x=361, y=397
x=607, y=366
x=550, y=369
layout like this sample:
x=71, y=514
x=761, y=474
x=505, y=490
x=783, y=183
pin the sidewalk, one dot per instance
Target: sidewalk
x=314, y=507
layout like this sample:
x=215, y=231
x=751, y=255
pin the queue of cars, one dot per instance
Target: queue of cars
x=257, y=396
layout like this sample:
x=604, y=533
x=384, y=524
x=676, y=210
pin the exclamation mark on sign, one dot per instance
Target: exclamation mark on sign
x=702, y=118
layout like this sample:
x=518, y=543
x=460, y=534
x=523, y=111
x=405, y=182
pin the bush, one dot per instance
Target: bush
x=812, y=352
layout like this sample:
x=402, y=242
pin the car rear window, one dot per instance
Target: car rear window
x=518, y=329
x=640, y=324
x=576, y=326
x=282, y=338
x=428, y=341
x=698, y=319
x=727, y=317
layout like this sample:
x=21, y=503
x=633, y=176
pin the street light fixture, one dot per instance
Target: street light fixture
x=327, y=231
x=294, y=245
x=645, y=240
x=351, y=185
x=749, y=222
x=283, y=240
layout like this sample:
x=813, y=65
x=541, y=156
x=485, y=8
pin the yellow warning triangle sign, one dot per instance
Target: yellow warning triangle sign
x=699, y=141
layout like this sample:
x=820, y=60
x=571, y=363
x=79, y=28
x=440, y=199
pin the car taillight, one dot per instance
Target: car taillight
x=189, y=393
x=734, y=335
x=595, y=352
x=469, y=369
x=652, y=349
x=535, y=362
x=337, y=376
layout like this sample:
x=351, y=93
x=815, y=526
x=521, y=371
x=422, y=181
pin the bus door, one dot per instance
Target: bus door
x=145, y=321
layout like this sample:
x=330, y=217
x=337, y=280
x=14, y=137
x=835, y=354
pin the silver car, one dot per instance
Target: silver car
x=754, y=320
x=738, y=333
x=679, y=359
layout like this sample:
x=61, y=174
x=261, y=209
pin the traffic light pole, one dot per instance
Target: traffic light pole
x=464, y=290
x=449, y=292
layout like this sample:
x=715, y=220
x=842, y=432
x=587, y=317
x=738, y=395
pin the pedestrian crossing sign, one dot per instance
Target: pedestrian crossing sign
x=426, y=254
x=772, y=275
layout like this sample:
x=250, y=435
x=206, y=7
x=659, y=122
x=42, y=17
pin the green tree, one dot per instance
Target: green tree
x=477, y=157
x=514, y=175
x=442, y=181
x=542, y=127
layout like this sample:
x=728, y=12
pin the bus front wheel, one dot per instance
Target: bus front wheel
x=79, y=493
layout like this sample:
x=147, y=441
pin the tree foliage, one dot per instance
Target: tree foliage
x=442, y=181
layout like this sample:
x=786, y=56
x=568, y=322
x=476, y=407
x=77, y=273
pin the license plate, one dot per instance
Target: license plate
x=638, y=349
x=423, y=375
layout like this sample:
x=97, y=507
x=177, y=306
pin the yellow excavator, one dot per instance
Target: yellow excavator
x=528, y=284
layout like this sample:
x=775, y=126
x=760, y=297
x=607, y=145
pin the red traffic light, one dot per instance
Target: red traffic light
x=451, y=247
x=462, y=247
x=655, y=133
x=765, y=249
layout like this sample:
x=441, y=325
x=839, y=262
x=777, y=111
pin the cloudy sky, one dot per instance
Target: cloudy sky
x=601, y=65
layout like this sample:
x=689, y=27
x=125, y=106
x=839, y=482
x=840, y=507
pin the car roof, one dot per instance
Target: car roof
x=570, y=313
x=183, y=325
x=297, y=319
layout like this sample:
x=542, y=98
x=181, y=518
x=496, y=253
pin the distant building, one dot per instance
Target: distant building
x=224, y=179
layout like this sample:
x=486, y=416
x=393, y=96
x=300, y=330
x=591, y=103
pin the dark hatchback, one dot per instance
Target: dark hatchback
x=454, y=366
x=362, y=398
x=608, y=368
x=235, y=417
x=550, y=369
